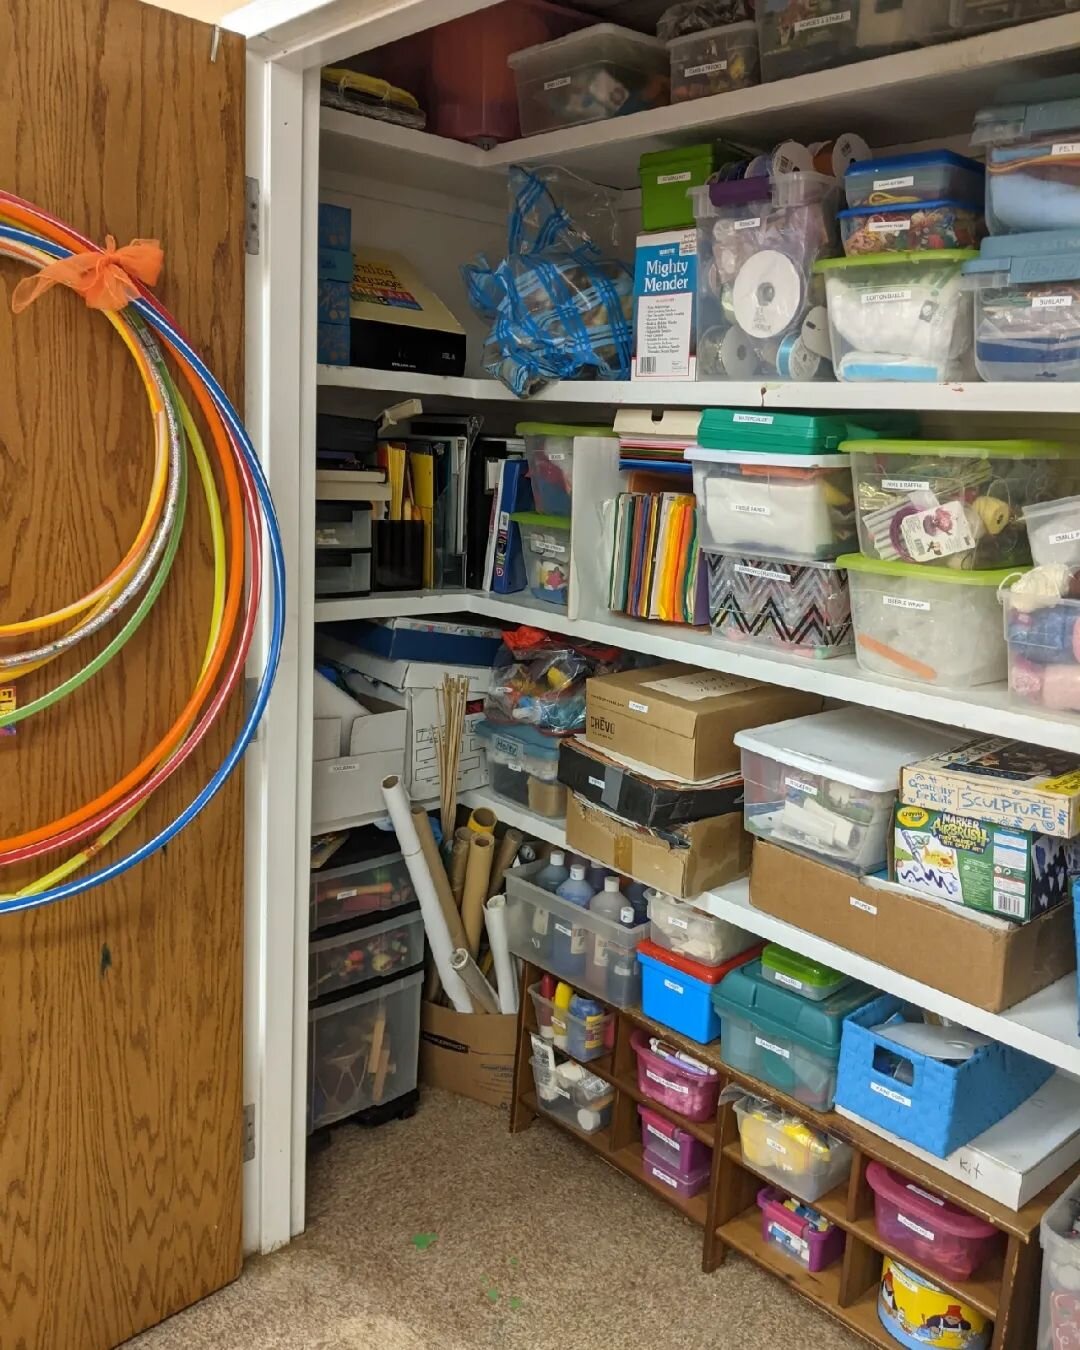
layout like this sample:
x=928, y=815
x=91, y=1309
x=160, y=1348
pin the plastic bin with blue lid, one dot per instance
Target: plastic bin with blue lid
x=928, y=176
x=1027, y=306
x=783, y=1039
x=1032, y=157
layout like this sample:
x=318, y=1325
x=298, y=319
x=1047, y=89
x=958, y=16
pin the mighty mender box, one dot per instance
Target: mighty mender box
x=681, y=720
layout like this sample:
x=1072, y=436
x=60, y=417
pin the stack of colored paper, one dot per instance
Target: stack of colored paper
x=657, y=571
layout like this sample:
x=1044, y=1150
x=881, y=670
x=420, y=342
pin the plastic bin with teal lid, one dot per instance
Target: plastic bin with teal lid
x=810, y=979
x=549, y=449
x=781, y=1037
x=665, y=177
x=795, y=433
x=955, y=503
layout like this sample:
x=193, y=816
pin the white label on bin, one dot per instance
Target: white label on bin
x=750, y=509
x=750, y=223
x=772, y=1048
x=347, y=895
x=1066, y=148
x=808, y=789
x=756, y=419
x=638, y=707
x=652, y=1129
x=663, y=1176
x=560, y=83
x=905, y=484
x=675, y=988
x=596, y=782
x=884, y=184
x=897, y=1097
x=666, y=1082
x=934, y=1199
x=676, y=922
x=889, y=226
x=864, y=905
x=904, y=602
x=1065, y=537
x=674, y=177
x=710, y=68
x=915, y=1227
x=789, y=980
x=775, y=1145
x=886, y=297
x=344, y=768
x=749, y=570
x=1051, y=301
x=822, y=21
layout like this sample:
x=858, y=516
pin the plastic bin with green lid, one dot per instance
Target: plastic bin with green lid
x=781, y=966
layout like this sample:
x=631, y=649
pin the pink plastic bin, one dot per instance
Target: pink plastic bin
x=675, y=1148
x=686, y=1186
x=944, y=1238
x=804, y=1244
x=691, y=1094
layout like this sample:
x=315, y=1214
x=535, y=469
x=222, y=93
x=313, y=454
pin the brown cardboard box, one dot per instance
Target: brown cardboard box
x=718, y=849
x=983, y=961
x=471, y=1054
x=681, y=720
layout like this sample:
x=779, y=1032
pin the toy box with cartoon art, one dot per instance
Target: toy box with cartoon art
x=1016, y=874
x=918, y=1314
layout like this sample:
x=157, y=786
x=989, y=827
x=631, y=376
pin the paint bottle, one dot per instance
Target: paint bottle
x=548, y=985
x=568, y=938
x=635, y=892
x=560, y=1032
x=612, y=905
x=597, y=875
x=586, y=1027
x=552, y=875
x=622, y=982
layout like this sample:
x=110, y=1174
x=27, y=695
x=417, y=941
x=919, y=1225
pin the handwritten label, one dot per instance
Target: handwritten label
x=772, y=1048
x=822, y=21
x=887, y=184
x=674, y=177
x=885, y=297
x=864, y=905
x=902, y=602
x=711, y=68
x=915, y=1227
x=897, y=1097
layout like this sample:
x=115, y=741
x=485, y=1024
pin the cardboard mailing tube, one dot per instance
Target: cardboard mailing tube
x=481, y=993
x=483, y=820
x=506, y=850
x=459, y=857
x=481, y=854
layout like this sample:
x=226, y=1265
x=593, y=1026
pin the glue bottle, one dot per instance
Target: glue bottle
x=567, y=938
x=560, y=1032
x=548, y=985
x=612, y=905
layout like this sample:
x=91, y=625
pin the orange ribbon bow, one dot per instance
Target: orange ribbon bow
x=103, y=277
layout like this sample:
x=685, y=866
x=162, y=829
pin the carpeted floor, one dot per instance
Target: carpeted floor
x=446, y=1233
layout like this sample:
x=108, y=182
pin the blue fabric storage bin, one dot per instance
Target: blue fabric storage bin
x=944, y=1106
x=678, y=1000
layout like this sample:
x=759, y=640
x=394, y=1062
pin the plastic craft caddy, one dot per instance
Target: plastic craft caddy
x=676, y=991
x=1032, y=158
x=353, y=890
x=583, y=1038
x=682, y=929
x=374, y=951
x=928, y=176
x=713, y=61
x=826, y=784
x=917, y=1223
x=757, y=302
x=601, y=72
x=781, y=1228
x=671, y=1145
x=929, y=625
x=524, y=765
x=803, y=608
x=935, y=1104
x=780, y=1147
x=676, y=1086
x=1027, y=306
x=1044, y=651
x=899, y=316
x=549, y=451
x=572, y=1094
x=545, y=543
x=592, y=953
x=780, y=1037
x=1059, y=1303
x=362, y=1050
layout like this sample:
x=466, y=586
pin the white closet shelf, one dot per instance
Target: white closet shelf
x=1021, y=397
x=986, y=709
x=908, y=97
x=540, y=827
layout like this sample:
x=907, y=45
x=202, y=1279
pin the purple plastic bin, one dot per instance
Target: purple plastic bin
x=692, y=1095
x=785, y=1230
x=686, y=1186
x=674, y=1147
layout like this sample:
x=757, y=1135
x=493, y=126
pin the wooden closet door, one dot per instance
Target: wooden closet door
x=120, y=1011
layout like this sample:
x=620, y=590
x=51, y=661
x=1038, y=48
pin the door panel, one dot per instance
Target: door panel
x=120, y=1011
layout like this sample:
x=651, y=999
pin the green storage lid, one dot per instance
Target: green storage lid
x=535, y=518
x=928, y=256
x=659, y=161
x=745, y=993
x=794, y=433
x=965, y=449
x=957, y=576
x=800, y=968
x=558, y=429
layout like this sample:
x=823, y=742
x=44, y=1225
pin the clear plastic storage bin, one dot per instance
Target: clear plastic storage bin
x=930, y=625
x=902, y=229
x=691, y=933
x=900, y=316
x=918, y=1223
x=601, y=72
x=685, y=1184
x=342, y=572
x=364, y=954
x=955, y=504
x=803, y=1162
x=342, y=525
x=586, y=1038
x=796, y=507
x=524, y=767
x=362, y=1051
x=549, y=449
x=1059, y=1303
x=1044, y=652
x=352, y=891
x=573, y=1095
x=672, y=1146
x=796, y=37
x=929, y=176
x=545, y=542
x=814, y=1247
x=666, y=1075
x=1032, y=161
x=800, y=608
x=942, y=20
x=1054, y=531
x=714, y=61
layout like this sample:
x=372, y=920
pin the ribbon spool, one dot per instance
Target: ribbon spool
x=738, y=358
x=815, y=332
x=767, y=294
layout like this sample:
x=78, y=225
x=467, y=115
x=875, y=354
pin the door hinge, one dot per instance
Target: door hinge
x=251, y=215
x=249, y=1133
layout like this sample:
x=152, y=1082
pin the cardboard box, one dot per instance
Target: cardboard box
x=1023, y=787
x=468, y=1053
x=629, y=793
x=984, y=961
x=975, y=863
x=346, y=786
x=683, y=862
x=680, y=720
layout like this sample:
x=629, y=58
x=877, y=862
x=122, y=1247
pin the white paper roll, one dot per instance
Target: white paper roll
x=481, y=993
x=505, y=964
x=399, y=808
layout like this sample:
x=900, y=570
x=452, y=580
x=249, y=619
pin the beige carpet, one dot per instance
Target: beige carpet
x=538, y=1245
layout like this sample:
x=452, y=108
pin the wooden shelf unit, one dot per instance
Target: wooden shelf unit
x=1006, y=1291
